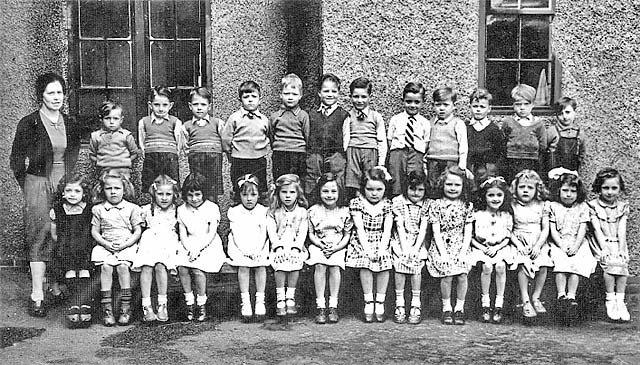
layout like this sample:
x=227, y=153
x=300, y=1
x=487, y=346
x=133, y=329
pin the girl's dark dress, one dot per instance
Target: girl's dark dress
x=73, y=251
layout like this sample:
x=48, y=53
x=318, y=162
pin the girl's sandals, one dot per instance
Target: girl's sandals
x=497, y=315
x=486, y=314
x=281, y=309
x=415, y=315
x=447, y=318
x=399, y=315
x=368, y=317
x=539, y=308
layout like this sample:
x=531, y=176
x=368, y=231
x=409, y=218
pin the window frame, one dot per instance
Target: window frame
x=556, y=67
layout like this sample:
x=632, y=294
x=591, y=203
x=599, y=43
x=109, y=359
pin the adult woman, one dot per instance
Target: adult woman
x=49, y=142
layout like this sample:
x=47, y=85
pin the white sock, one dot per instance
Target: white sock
x=561, y=294
x=499, y=301
x=259, y=297
x=620, y=297
x=611, y=296
x=415, y=298
x=162, y=299
x=380, y=297
x=459, y=305
x=486, y=301
x=291, y=293
x=571, y=295
x=399, y=298
x=446, y=305
x=280, y=298
x=333, y=302
x=525, y=298
x=188, y=298
x=201, y=299
x=245, y=297
x=146, y=302
x=368, y=297
x=320, y=302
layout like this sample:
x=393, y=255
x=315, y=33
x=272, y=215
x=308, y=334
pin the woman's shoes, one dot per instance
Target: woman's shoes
x=37, y=309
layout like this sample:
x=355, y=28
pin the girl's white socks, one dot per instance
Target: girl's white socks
x=333, y=302
x=399, y=298
x=146, y=302
x=201, y=299
x=162, y=299
x=189, y=299
x=446, y=305
x=415, y=298
x=459, y=305
x=486, y=301
x=499, y=301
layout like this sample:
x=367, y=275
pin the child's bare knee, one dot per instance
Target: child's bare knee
x=487, y=268
x=501, y=268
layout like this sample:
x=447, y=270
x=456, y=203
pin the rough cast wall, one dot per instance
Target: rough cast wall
x=392, y=43
x=597, y=42
x=33, y=38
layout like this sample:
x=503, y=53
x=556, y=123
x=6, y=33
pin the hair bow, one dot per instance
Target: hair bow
x=387, y=175
x=491, y=180
x=247, y=178
x=555, y=174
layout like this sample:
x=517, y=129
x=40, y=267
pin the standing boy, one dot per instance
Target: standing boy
x=363, y=136
x=408, y=136
x=289, y=130
x=571, y=146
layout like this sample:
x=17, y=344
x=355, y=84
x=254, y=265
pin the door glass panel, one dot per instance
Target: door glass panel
x=118, y=64
x=187, y=63
x=92, y=65
x=188, y=20
x=161, y=19
x=161, y=64
x=104, y=19
x=502, y=36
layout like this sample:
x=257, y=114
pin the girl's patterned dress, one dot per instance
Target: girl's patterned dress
x=248, y=246
x=452, y=215
x=373, y=220
x=328, y=225
x=292, y=255
x=494, y=228
x=159, y=242
x=209, y=256
x=567, y=221
x=409, y=215
x=116, y=224
x=527, y=226
x=614, y=256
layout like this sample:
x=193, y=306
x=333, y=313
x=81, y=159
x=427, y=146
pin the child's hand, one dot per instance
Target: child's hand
x=491, y=251
x=192, y=256
x=535, y=252
x=328, y=251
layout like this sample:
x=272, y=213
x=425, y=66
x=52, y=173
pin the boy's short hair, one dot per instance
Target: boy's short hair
x=292, y=80
x=159, y=91
x=480, y=94
x=248, y=86
x=330, y=77
x=523, y=91
x=361, y=83
x=202, y=92
x=564, y=102
x=107, y=106
x=413, y=88
x=444, y=93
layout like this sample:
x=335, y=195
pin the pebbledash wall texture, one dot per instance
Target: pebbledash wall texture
x=434, y=42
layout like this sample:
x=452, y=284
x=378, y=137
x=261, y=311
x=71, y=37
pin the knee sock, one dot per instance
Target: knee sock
x=320, y=302
x=189, y=299
x=280, y=297
x=486, y=301
x=245, y=298
x=459, y=305
x=446, y=305
x=162, y=299
x=201, y=299
x=260, y=297
x=291, y=294
x=499, y=301
x=106, y=299
x=125, y=299
x=400, y=298
x=333, y=302
x=415, y=298
x=146, y=302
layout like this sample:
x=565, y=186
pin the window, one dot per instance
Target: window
x=121, y=48
x=515, y=47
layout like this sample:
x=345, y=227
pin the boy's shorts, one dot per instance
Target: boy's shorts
x=359, y=160
x=318, y=164
x=254, y=166
x=288, y=162
x=208, y=164
x=156, y=164
x=401, y=162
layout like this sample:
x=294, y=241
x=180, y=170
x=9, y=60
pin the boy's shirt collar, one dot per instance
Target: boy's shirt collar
x=357, y=112
x=415, y=116
x=105, y=130
x=446, y=120
x=201, y=122
x=525, y=121
x=295, y=110
x=157, y=120
x=327, y=110
x=244, y=113
x=479, y=125
x=108, y=206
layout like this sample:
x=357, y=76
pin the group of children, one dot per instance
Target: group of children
x=360, y=216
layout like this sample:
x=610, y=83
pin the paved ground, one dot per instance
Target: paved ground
x=302, y=341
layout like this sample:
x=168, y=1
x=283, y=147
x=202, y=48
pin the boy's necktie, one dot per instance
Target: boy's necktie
x=361, y=116
x=409, y=134
x=251, y=115
x=323, y=110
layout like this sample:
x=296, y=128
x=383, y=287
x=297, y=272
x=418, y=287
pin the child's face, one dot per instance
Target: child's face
x=113, y=190
x=494, y=198
x=288, y=195
x=160, y=106
x=443, y=108
x=374, y=191
x=329, y=194
x=413, y=103
x=199, y=106
x=249, y=196
x=290, y=96
x=250, y=101
x=522, y=108
x=164, y=196
x=329, y=93
x=113, y=121
x=360, y=99
x=610, y=190
x=480, y=108
x=567, y=116
x=568, y=194
x=452, y=187
x=526, y=190
x=53, y=96
x=416, y=193
x=73, y=193
x=195, y=198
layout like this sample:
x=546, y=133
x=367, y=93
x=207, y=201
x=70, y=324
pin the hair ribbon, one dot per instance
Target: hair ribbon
x=247, y=178
x=556, y=173
x=491, y=180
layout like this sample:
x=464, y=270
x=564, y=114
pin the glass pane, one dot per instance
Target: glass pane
x=118, y=64
x=92, y=63
x=104, y=19
x=537, y=74
x=161, y=66
x=504, y=4
x=187, y=63
x=189, y=19
x=539, y=4
x=502, y=36
x=161, y=18
x=535, y=37
x=90, y=19
x=501, y=77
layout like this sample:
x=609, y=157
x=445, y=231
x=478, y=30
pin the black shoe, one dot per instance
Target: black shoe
x=447, y=317
x=333, y=317
x=486, y=314
x=190, y=312
x=497, y=315
x=321, y=316
x=458, y=318
x=202, y=313
x=37, y=309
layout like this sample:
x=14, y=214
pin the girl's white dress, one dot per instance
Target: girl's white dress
x=159, y=242
x=409, y=215
x=494, y=228
x=527, y=226
x=292, y=254
x=612, y=254
x=452, y=215
x=248, y=245
x=328, y=225
x=116, y=223
x=200, y=222
x=373, y=217
x=567, y=220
